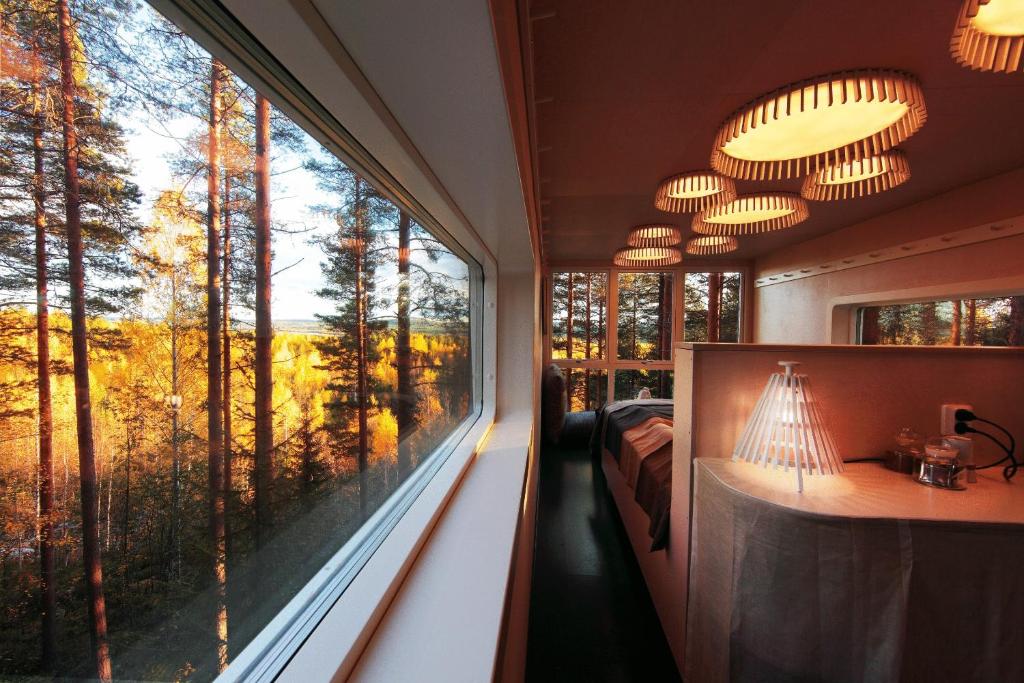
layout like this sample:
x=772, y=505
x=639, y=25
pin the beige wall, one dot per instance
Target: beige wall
x=800, y=311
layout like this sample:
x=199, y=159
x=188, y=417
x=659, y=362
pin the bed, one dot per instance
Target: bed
x=633, y=441
x=637, y=435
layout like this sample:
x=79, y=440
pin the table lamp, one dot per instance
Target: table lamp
x=787, y=428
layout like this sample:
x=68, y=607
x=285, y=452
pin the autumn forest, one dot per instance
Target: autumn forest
x=222, y=349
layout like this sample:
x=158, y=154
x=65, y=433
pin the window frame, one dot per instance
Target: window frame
x=611, y=363
x=217, y=31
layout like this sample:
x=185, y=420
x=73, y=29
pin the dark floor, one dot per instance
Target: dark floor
x=591, y=618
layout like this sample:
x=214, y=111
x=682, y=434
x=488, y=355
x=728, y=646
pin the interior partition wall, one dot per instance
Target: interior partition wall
x=609, y=358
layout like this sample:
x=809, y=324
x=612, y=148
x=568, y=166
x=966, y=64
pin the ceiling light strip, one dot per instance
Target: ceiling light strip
x=950, y=240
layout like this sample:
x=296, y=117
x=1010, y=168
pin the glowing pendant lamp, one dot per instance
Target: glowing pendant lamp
x=787, y=428
x=711, y=245
x=647, y=257
x=752, y=214
x=803, y=127
x=858, y=178
x=989, y=35
x=694, y=191
x=654, y=235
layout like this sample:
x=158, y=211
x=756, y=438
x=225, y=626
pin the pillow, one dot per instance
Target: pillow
x=553, y=402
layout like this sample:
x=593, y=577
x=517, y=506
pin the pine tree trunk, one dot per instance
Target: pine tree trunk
x=664, y=329
x=634, y=350
x=93, y=566
x=569, y=323
x=569, y=310
x=214, y=397
x=175, y=446
x=869, y=330
x=308, y=474
x=361, y=355
x=226, y=369
x=1016, y=335
x=972, y=323
x=47, y=585
x=126, y=516
x=404, y=405
x=954, y=327
x=714, y=306
x=264, y=329
x=586, y=352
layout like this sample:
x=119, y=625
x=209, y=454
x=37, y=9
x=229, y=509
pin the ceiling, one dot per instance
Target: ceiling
x=628, y=93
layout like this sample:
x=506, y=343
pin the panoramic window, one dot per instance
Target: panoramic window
x=639, y=321
x=579, y=315
x=645, y=316
x=712, y=307
x=963, y=322
x=222, y=350
x=629, y=383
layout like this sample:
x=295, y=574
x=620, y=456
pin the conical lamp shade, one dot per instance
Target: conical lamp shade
x=787, y=428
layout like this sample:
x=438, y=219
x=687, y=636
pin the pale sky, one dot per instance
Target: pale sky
x=151, y=144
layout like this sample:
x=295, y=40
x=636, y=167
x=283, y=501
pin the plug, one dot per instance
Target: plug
x=953, y=413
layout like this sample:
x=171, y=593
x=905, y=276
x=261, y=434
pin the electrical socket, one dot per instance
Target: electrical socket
x=947, y=422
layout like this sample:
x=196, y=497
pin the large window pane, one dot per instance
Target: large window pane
x=629, y=383
x=578, y=315
x=274, y=347
x=965, y=322
x=712, y=307
x=645, y=316
x=586, y=388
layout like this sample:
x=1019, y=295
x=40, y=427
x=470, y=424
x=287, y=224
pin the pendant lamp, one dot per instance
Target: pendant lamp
x=858, y=178
x=752, y=214
x=694, y=191
x=803, y=127
x=989, y=35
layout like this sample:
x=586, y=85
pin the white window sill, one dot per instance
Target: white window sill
x=437, y=584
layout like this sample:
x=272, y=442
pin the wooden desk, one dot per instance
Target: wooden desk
x=868, y=576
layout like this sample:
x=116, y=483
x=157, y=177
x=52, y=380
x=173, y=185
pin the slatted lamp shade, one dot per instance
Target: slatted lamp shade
x=989, y=35
x=787, y=428
x=711, y=245
x=647, y=257
x=803, y=127
x=858, y=178
x=752, y=214
x=654, y=235
x=694, y=191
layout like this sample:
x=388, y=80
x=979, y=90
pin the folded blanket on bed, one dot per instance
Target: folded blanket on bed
x=654, y=493
x=617, y=417
x=640, y=441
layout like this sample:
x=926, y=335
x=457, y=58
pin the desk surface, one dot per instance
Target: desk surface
x=869, y=490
